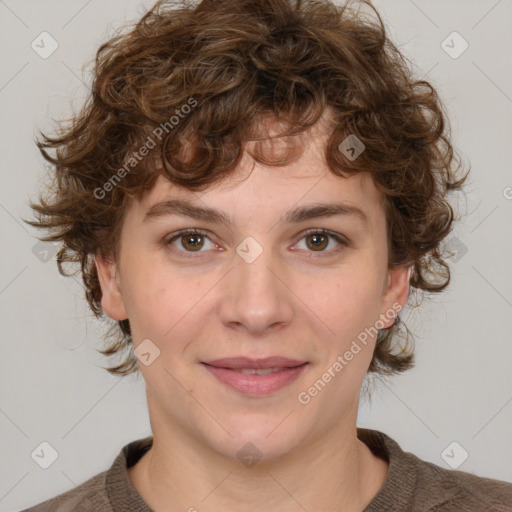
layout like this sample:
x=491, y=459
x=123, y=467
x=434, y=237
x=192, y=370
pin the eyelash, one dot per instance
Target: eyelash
x=313, y=231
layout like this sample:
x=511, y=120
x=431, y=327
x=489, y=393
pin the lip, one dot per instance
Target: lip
x=247, y=362
x=257, y=385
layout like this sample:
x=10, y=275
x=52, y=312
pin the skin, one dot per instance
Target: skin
x=294, y=300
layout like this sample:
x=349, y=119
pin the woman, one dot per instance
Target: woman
x=252, y=190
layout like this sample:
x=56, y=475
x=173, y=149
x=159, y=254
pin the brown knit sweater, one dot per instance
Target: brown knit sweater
x=411, y=485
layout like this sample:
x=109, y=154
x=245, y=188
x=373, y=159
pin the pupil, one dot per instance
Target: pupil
x=193, y=241
x=317, y=241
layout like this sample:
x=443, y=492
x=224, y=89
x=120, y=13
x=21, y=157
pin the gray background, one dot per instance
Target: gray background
x=52, y=386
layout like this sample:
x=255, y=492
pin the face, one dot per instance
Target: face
x=261, y=283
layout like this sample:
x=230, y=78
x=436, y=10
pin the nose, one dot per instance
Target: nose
x=256, y=297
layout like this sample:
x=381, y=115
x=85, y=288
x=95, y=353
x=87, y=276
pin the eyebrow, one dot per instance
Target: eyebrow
x=299, y=214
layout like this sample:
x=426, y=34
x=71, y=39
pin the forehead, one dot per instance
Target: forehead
x=256, y=191
x=265, y=201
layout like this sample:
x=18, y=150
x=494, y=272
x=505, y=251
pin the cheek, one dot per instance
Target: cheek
x=161, y=303
x=346, y=301
x=147, y=293
x=154, y=307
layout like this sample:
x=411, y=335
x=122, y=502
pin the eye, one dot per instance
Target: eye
x=317, y=240
x=189, y=241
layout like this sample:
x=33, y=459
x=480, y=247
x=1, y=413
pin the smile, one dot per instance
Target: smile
x=256, y=381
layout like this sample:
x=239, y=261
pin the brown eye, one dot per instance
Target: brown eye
x=192, y=242
x=187, y=242
x=317, y=241
x=323, y=242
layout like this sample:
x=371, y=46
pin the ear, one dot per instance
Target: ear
x=397, y=291
x=112, y=298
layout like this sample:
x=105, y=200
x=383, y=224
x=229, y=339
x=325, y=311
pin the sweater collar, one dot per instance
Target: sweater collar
x=121, y=493
x=397, y=491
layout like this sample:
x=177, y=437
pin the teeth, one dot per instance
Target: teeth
x=259, y=371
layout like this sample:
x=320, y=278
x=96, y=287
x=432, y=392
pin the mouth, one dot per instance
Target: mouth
x=256, y=377
x=244, y=363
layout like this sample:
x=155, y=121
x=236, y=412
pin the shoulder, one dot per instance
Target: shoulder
x=89, y=496
x=101, y=491
x=459, y=490
x=415, y=484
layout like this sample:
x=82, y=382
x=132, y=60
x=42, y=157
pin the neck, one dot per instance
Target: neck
x=336, y=471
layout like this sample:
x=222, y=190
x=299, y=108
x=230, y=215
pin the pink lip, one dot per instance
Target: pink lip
x=247, y=362
x=256, y=385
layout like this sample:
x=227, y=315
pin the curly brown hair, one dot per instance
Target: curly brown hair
x=201, y=77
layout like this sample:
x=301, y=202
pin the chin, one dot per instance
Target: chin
x=263, y=441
